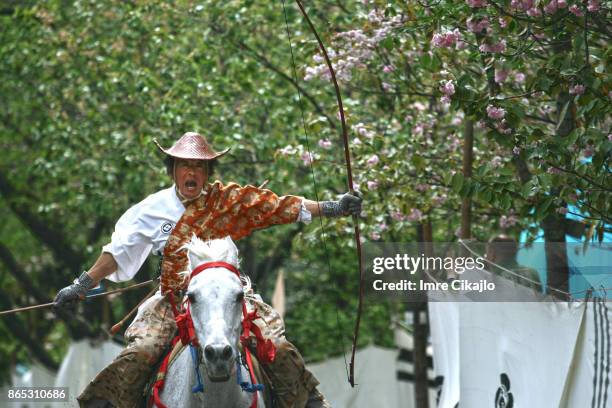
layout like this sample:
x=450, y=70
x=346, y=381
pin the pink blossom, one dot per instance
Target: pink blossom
x=446, y=39
x=500, y=75
x=372, y=184
x=553, y=170
x=445, y=100
x=503, y=23
x=307, y=158
x=287, y=150
x=593, y=6
x=373, y=161
x=418, y=129
x=534, y=12
x=398, y=216
x=415, y=215
x=516, y=150
x=382, y=226
x=507, y=221
x=476, y=3
x=356, y=141
x=439, y=200
x=496, y=162
x=461, y=45
x=575, y=10
x=325, y=143
x=521, y=5
x=495, y=113
x=519, y=77
x=562, y=210
x=421, y=188
x=493, y=48
x=419, y=106
x=447, y=88
x=481, y=124
x=457, y=120
x=478, y=26
x=610, y=137
x=374, y=236
x=551, y=7
x=577, y=89
x=561, y=4
x=388, y=68
x=387, y=86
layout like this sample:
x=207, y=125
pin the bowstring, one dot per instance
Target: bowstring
x=314, y=182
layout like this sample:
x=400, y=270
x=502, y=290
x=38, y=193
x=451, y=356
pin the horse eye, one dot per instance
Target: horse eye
x=240, y=297
x=191, y=297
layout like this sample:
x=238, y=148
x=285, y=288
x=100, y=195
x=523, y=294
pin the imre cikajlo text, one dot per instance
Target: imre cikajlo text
x=412, y=264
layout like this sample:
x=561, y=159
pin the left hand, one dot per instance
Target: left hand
x=350, y=204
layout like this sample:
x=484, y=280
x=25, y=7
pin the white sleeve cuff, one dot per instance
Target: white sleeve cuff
x=304, y=216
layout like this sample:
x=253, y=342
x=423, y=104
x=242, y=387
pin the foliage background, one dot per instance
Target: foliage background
x=87, y=85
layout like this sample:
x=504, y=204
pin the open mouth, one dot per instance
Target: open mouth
x=219, y=378
x=190, y=184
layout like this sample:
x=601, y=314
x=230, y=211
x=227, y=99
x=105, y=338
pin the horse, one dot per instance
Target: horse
x=215, y=300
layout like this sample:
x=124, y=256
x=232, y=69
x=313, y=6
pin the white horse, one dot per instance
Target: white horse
x=215, y=297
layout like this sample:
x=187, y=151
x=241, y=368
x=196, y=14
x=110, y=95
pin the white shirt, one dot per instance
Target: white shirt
x=145, y=227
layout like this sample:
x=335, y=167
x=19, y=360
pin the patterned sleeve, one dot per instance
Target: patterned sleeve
x=237, y=211
x=224, y=210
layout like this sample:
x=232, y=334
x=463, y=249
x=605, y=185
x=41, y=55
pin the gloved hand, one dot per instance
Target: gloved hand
x=348, y=204
x=67, y=297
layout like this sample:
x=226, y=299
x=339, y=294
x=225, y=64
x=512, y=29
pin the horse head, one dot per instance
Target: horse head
x=215, y=296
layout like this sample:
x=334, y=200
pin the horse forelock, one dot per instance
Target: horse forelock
x=215, y=250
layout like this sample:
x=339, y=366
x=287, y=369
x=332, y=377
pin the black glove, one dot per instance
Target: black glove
x=68, y=297
x=348, y=204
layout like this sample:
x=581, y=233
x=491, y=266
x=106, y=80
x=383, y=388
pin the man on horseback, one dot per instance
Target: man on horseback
x=218, y=210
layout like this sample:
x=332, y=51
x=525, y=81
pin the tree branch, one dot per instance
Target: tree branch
x=266, y=63
x=18, y=329
x=41, y=229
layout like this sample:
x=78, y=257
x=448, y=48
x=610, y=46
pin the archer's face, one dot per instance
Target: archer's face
x=190, y=176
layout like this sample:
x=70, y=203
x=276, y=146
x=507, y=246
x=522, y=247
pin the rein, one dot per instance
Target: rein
x=98, y=295
x=186, y=334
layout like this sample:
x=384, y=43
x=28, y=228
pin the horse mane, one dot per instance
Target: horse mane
x=215, y=250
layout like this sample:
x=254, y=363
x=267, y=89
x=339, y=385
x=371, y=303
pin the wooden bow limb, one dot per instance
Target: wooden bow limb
x=110, y=292
x=349, y=178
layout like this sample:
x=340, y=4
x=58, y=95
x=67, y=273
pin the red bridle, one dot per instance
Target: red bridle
x=186, y=331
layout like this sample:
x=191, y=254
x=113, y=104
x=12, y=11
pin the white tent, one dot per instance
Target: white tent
x=522, y=354
x=382, y=377
x=36, y=376
x=81, y=364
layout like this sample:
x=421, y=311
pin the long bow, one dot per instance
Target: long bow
x=349, y=173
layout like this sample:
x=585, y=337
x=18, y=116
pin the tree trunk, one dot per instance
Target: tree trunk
x=421, y=328
x=557, y=268
x=468, y=158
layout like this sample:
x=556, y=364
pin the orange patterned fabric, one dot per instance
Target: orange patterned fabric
x=221, y=211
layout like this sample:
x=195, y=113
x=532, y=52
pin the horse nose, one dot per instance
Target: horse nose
x=214, y=352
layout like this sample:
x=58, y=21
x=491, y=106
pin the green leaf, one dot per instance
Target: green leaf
x=563, y=113
x=457, y=182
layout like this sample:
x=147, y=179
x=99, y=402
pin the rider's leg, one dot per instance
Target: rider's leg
x=122, y=382
x=293, y=385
